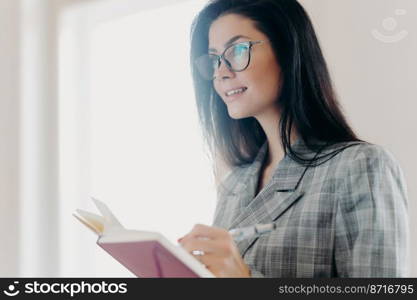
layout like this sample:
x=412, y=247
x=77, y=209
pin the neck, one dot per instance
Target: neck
x=269, y=122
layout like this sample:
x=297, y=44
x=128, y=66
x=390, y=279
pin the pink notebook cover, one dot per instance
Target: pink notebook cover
x=147, y=259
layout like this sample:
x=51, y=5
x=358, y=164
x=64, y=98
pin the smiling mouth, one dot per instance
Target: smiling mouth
x=236, y=92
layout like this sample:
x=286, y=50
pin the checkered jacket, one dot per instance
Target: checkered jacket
x=345, y=218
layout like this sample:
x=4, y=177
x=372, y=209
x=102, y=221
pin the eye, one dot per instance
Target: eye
x=240, y=50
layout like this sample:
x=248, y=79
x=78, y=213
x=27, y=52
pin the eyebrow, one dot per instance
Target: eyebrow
x=235, y=38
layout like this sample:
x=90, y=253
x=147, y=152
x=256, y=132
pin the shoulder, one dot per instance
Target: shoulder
x=360, y=166
x=230, y=179
x=365, y=156
x=368, y=169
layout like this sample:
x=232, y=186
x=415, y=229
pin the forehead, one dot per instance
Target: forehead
x=228, y=26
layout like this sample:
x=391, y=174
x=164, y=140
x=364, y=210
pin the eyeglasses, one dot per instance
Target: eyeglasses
x=236, y=58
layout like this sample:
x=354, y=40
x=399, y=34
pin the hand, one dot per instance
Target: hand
x=221, y=255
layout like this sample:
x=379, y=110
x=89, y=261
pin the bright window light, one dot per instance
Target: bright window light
x=147, y=157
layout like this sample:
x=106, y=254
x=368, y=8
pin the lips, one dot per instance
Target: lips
x=233, y=97
x=241, y=88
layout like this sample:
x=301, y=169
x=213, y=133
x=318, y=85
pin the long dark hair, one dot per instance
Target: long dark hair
x=307, y=99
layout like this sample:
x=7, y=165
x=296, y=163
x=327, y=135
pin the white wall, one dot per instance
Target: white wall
x=9, y=129
x=39, y=203
x=28, y=173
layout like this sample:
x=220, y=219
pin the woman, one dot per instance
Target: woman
x=267, y=107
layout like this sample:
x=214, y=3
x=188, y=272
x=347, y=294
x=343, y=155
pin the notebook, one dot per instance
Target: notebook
x=144, y=253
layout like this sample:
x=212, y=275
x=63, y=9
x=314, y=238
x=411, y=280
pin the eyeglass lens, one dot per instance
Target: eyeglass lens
x=236, y=56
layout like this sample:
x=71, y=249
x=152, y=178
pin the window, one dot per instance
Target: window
x=130, y=133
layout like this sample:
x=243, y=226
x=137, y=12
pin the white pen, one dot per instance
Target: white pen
x=243, y=233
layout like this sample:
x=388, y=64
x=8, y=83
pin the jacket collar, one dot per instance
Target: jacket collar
x=277, y=196
x=286, y=175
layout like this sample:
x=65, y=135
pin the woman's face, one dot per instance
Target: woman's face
x=262, y=77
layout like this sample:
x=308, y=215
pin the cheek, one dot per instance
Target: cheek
x=266, y=87
x=266, y=80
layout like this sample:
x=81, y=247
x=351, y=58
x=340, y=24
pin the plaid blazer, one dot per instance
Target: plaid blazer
x=344, y=218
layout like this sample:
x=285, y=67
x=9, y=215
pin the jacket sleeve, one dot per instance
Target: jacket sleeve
x=256, y=274
x=372, y=233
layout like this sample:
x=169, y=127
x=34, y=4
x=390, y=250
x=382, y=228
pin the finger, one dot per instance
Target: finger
x=205, y=245
x=208, y=232
x=215, y=264
x=207, y=259
x=220, y=248
x=187, y=238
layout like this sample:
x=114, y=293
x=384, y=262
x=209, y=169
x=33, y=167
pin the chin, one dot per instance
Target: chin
x=239, y=115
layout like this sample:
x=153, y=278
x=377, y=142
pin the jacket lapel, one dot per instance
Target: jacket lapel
x=274, y=199
x=263, y=216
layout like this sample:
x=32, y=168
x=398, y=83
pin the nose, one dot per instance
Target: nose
x=223, y=71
